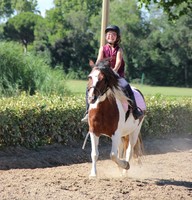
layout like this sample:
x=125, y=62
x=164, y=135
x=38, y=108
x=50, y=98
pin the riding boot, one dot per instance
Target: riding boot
x=129, y=93
x=85, y=118
x=136, y=111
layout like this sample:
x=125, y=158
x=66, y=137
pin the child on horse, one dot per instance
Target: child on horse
x=113, y=51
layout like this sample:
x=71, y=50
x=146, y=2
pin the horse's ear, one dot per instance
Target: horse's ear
x=106, y=62
x=91, y=63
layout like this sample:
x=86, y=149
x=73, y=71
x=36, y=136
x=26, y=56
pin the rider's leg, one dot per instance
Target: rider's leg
x=129, y=93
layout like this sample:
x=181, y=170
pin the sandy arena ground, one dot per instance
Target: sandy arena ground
x=60, y=172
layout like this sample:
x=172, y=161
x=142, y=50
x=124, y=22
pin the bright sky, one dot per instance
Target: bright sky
x=44, y=5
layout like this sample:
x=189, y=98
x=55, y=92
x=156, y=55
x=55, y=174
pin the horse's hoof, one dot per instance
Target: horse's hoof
x=91, y=176
x=127, y=166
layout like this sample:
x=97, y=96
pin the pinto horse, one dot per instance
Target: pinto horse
x=108, y=106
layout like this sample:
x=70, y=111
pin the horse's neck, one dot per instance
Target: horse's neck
x=115, y=93
x=107, y=95
x=119, y=94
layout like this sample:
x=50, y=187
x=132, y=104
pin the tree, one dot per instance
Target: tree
x=133, y=31
x=5, y=8
x=89, y=7
x=24, y=6
x=21, y=28
x=174, y=8
x=167, y=52
x=180, y=48
x=73, y=50
x=70, y=34
x=10, y=7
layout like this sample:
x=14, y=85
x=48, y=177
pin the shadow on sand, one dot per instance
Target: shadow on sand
x=58, y=154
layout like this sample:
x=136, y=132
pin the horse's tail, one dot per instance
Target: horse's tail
x=138, y=148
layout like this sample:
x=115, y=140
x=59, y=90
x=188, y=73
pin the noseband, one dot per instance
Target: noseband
x=100, y=93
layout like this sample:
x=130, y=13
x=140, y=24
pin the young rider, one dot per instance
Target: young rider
x=113, y=51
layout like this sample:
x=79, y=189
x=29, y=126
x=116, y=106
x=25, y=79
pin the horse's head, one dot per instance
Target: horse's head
x=101, y=78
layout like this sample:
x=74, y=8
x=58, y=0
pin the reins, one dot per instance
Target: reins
x=100, y=93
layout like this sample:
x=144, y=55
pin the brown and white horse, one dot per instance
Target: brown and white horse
x=108, y=106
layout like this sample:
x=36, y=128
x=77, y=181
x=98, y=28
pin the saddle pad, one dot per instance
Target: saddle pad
x=139, y=99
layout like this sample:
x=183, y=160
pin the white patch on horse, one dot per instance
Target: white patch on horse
x=94, y=105
x=95, y=77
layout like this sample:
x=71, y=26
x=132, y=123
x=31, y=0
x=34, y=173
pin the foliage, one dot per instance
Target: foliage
x=9, y=7
x=90, y=7
x=37, y=120
x=168, y=57
x=5, y=8
x=174, y=8
x=167, y=116
x=74, y=49
x=68, y=36
x=76, y=74
x=24, y=5
x=25, y=72
x=133, y=33
x=21, y=28
x=32, y=121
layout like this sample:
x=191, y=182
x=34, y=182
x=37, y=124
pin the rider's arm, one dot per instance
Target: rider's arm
x=119, y=58
x=100, y=55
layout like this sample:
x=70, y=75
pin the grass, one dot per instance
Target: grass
x=167, y=91
x=78, y=87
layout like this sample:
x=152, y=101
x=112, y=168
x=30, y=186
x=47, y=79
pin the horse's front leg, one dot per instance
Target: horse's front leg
x=116, y=140
x=94, y=154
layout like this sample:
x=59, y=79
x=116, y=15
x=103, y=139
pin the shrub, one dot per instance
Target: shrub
x=25, y=72
x=167, y=116
x=37, y=120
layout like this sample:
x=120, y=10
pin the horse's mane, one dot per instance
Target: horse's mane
x=111, y=78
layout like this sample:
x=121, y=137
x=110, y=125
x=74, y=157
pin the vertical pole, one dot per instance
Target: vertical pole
x=104, y=21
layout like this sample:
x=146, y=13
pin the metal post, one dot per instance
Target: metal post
x=104, y=21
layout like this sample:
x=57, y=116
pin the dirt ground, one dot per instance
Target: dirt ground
x=60, y=172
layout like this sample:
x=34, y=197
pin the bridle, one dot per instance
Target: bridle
x=100, y=93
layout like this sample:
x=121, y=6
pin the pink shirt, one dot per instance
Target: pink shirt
x=109, y=53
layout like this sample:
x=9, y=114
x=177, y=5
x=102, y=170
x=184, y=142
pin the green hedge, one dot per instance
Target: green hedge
x=167, y=116
x=32, y=121
x=37, y=120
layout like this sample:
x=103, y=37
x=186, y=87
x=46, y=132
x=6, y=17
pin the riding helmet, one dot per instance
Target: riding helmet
x=113, y=28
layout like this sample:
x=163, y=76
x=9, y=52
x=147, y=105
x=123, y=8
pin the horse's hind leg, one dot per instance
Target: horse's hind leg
x=94, y=154
x=123, y=146
x=121, y=149
x=132, y=141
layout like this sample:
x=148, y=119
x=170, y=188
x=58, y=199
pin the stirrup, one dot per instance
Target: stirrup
x=85, y=119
